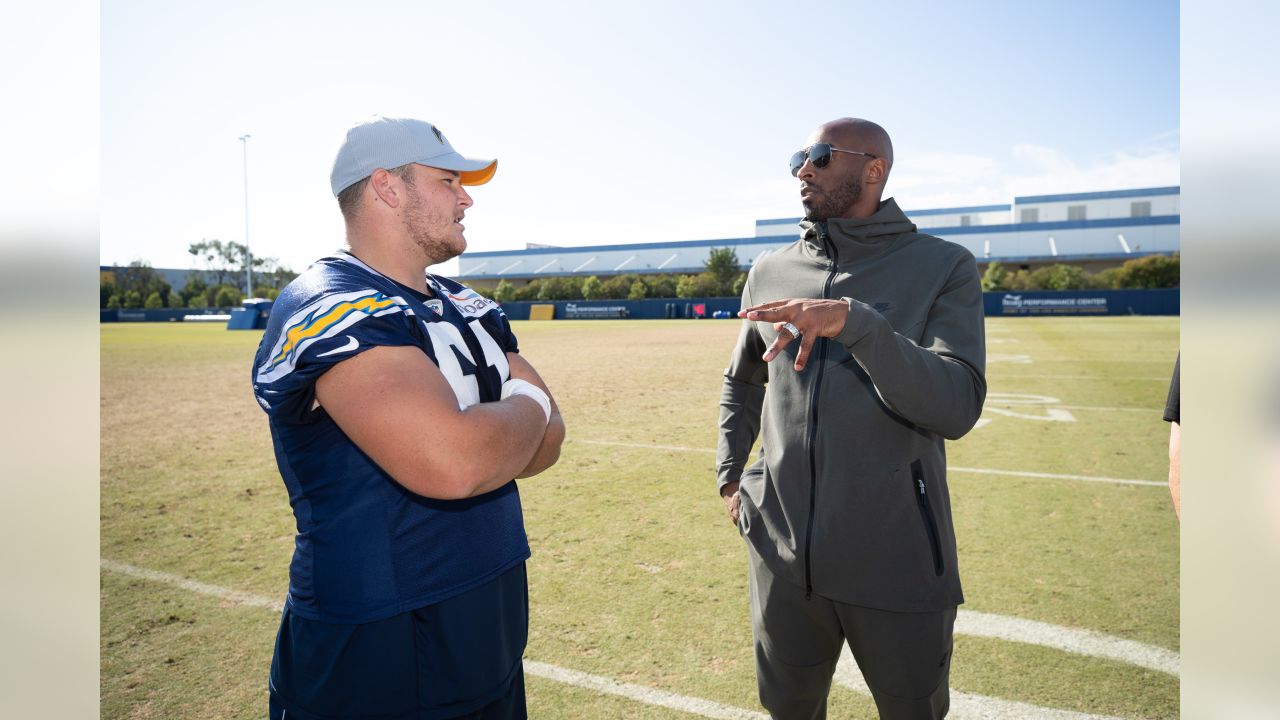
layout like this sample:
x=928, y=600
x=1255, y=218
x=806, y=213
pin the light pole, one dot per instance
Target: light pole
x=248, y=256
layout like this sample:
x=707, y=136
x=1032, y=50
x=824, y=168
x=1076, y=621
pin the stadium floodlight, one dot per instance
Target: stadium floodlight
x=248, y=257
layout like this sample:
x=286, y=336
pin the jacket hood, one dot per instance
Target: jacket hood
x=858, y=238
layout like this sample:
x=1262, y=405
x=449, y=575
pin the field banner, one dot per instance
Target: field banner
x=1037, y=303
x=1083, y=302
x=651, y=309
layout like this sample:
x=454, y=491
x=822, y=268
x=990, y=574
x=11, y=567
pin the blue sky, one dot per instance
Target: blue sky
x=616, y=123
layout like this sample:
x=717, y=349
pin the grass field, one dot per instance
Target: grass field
x=636, y=576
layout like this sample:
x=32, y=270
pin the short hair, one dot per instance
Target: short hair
x=349, y=199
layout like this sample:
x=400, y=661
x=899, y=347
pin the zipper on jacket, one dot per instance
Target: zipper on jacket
x=931, y=527
x=821, y=348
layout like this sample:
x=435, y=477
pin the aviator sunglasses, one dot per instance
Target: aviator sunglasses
x=819, y=155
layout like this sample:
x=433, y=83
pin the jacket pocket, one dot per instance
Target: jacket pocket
x=926, y=514
x=744, y=500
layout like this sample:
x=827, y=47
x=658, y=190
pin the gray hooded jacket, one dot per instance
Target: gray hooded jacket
x=848, y=497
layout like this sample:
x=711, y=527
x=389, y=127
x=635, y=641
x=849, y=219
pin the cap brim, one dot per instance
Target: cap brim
x=474, y=171
x=482, y=176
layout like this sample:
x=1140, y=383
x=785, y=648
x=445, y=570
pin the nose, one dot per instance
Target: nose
x=807, y=170
x=464, y=200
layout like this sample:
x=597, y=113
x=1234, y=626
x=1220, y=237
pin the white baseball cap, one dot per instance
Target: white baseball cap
x=391, y=142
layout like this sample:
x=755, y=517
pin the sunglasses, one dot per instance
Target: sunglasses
x=819, y=155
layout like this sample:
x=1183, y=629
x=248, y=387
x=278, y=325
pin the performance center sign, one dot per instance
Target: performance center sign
x=576, y=311
x=1023, y=305
x=1164, y=301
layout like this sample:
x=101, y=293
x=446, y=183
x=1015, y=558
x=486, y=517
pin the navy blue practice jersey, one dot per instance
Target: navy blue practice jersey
x=366, y=547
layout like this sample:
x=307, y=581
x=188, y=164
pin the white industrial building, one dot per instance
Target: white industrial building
x=1093, y=229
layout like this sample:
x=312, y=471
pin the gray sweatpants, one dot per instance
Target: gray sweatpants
x=905, y=658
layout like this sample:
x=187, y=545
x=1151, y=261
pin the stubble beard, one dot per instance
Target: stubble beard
x=419, y=221
x=837, y=202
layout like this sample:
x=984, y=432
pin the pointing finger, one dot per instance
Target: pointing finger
x=752, y=312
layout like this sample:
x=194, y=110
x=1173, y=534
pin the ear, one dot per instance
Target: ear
x=387, y=187
x=875, y=172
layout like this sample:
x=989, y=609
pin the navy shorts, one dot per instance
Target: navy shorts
x=459, y=658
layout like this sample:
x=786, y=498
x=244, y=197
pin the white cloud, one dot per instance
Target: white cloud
x=933, y=180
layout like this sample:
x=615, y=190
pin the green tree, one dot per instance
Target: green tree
x=697, y=286
x=222, y=263
x=996, y=278
x=559, y=288
x=113, y=302
x=618, y=287
x=1019, y=281
x=740, y=284
x=591, y=288
x=132, y=299
x=105, y=291
x=662, y=286
x=529, y=291
x=195, y=287
x=1105, y=279
x=638, y=290
x=1153, y=271
x=505, y=292
x=175, y=300
x=139, y=277
x=1059, y=277
x=723, y=267
x=270, y=274
x=227, y=296
x=154, y=302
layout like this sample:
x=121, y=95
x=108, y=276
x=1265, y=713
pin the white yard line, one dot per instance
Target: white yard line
x=964, y=706
x=967, y=706
x=950, y=468
x=1072, y=640
x=1056, y=476
x=233, y=596
x=1109, y=378
x=1155, y=412
x=640, y=693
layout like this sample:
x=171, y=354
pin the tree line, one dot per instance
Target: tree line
x=221, y=266
x=1153, y=271
x=722, y=276
x=217, y=281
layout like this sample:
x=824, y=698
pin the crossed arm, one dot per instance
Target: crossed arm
x=397, y=407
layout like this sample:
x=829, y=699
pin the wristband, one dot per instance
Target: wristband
x=516, y=386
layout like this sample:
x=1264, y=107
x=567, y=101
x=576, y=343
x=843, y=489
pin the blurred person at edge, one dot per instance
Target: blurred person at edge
x=1173, y=416
x=401, y=411
x=846, y=513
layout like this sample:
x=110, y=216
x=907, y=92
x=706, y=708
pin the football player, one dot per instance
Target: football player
x=401, y=412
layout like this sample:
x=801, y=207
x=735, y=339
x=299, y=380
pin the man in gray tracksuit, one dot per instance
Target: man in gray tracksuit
x=869, y=338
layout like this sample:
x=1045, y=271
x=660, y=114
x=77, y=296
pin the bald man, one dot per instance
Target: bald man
x=862, y=350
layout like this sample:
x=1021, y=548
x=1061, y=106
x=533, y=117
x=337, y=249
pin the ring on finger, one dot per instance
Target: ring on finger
x=795, y=331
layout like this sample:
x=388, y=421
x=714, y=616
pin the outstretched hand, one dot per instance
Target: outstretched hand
x=799, y=318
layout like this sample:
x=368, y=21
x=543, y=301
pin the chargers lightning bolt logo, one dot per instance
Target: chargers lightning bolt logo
x=314, y=325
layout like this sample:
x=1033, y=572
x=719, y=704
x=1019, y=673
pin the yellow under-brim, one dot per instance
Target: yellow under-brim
x=480, y=177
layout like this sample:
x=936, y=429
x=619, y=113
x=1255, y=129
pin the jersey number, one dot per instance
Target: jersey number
x=447, y=340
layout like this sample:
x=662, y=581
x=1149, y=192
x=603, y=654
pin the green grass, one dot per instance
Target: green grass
x=636, y=575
